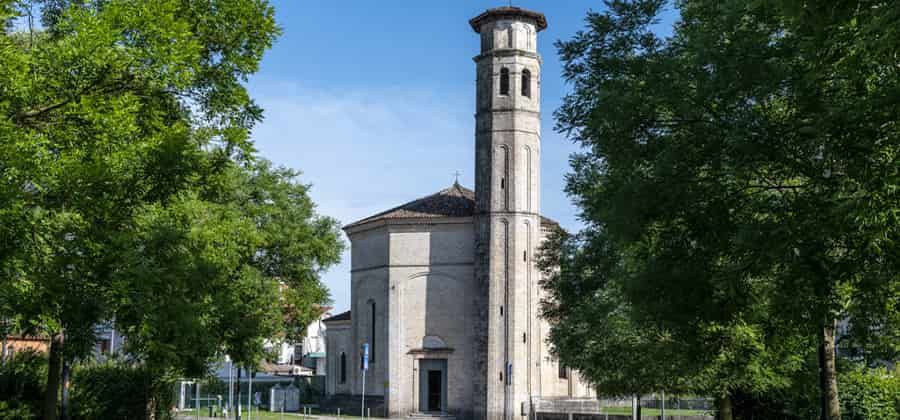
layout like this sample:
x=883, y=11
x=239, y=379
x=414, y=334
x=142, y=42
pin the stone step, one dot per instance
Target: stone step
x=430, y=416
x=412, y=417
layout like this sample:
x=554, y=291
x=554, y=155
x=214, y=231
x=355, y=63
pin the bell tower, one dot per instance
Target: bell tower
x=507, y=209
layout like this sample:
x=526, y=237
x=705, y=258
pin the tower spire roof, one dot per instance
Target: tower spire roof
x=508, y=12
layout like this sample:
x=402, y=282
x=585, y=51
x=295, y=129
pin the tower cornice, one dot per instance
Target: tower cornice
x=508, y=52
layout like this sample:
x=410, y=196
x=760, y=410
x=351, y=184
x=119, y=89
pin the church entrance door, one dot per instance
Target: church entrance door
x=433, y=385
x=434, y=390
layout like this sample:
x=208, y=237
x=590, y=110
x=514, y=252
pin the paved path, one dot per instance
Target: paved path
x=286, y=415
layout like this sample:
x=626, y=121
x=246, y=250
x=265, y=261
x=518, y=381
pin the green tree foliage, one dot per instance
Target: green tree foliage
x=130, y=186
x=597, y=330
x=259, y=247
x=739, y=181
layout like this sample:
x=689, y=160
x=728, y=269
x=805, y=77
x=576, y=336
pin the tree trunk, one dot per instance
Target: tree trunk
x=725, y=410
x=828, y=388
x=64, y=399
x=150, y=407
x=54, y=371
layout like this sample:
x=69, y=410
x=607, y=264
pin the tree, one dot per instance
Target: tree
x=745, y=168
x=254, y=239
x=122, y=121
x=597, y=329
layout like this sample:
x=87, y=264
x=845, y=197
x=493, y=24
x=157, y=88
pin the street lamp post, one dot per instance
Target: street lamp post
x=365, y=367
x=230, y=408
x=249, y=392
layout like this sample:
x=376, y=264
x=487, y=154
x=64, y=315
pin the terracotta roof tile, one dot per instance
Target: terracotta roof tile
x=456, y=201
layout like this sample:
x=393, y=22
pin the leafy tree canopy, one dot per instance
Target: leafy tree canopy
x=739, y=182
x=130, y=186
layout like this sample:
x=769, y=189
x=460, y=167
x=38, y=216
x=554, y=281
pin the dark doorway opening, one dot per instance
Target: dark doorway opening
x=433, y=385
x=435, y=380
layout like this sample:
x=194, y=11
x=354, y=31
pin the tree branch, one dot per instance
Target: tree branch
x=95, y=87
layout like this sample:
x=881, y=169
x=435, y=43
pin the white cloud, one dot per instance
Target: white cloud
x=365, y=151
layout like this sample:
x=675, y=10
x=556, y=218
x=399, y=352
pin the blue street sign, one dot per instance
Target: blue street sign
x=365, y=356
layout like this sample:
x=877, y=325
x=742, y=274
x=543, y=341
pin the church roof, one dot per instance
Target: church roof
x=456, y=201
x=343, y=316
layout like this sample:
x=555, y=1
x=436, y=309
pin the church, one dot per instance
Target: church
x=445, y=289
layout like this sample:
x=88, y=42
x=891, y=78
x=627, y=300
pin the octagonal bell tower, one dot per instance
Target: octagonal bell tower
x=507, y=208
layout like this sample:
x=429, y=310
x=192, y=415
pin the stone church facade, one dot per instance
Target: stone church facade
x=445, y=288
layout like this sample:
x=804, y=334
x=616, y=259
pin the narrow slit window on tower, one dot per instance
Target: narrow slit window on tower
x=343, y=368
x=526, y=83
x=372, y=344
x=504, y=81
x=504, y=177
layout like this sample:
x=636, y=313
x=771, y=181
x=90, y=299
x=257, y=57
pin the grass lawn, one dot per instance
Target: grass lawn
x=264, y=415
x=654, y=411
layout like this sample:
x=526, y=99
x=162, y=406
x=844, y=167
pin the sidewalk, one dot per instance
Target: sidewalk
x=269, y=415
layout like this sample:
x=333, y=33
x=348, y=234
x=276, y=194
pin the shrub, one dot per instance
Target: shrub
x=22, y=385
x=115, y=390
x=868, y=394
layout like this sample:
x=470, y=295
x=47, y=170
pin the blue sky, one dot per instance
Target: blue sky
x=373, y=101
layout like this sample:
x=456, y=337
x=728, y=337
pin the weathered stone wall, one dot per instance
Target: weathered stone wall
x=431, y=295
x=368, y=285
x=369, y=279
x=338, y=341
x=369, y=249
x=370, y=288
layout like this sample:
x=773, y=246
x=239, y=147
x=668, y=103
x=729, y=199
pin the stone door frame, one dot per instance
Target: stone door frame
x=418, y=356
x=427, y=366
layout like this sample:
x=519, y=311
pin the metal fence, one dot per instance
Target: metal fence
x=612, y=408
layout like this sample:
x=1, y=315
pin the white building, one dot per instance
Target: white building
x=304, y=359
x=108, y=340
x=311, y=353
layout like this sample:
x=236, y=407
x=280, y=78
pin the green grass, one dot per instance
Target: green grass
x=257, y=414
x=654, y=411
x=266, y=415
x=262, y=414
